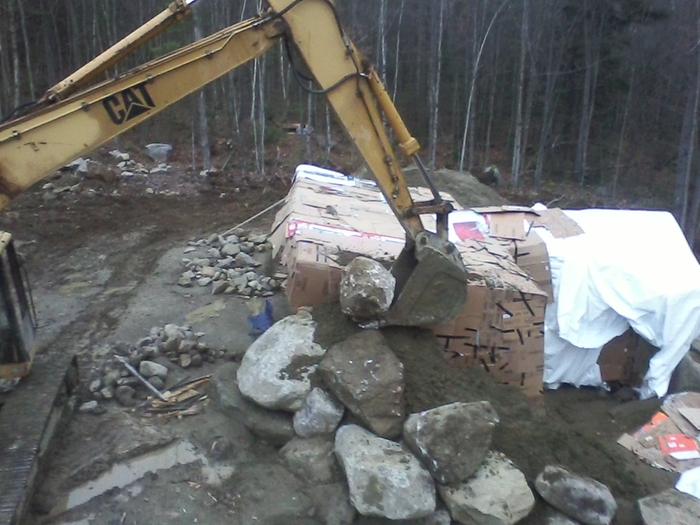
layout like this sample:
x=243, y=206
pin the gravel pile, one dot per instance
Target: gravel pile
x=226, y=264
x=154, y=356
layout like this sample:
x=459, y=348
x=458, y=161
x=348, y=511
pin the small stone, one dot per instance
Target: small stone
x=172, y=331
x=150, y=369
x=579, y=497
x=95, y=385
x=111, y=378
x=186, y=346
x=219, y=287
x=208, y=271
x=107, y=392
x=157, y=382
x=245, y=260
x=185, y=360
x=91, y=407
x=554, y=517
x=125, y=395
x=312, y=459
x=196, y=360
x=320, y=414
x=185, y=282
x=230, y=250
x=204, y=281
x=214, y=252
x=497, y=493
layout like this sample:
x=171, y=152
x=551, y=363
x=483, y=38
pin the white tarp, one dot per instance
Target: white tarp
x=628, y=268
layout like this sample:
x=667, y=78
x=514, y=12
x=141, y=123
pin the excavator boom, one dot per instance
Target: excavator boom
x=430, y=275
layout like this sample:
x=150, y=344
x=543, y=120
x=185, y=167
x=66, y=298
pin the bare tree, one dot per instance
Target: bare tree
x=203, y=120
x=435, y=86
x=518, y=139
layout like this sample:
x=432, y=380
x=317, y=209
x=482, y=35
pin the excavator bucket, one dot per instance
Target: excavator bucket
x=431, y=283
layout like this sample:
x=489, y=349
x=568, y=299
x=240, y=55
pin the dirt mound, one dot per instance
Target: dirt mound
x=464, y=187
x=574, y=428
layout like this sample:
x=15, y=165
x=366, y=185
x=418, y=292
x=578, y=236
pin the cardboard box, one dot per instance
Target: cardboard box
x=502, y=326
x=625, y=359
x=531, y=255
x=314, y=277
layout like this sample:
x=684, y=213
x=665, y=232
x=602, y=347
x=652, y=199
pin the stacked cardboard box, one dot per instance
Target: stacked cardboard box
x=328, y=218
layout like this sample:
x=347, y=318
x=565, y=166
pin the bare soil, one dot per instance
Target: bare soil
x=104, y=266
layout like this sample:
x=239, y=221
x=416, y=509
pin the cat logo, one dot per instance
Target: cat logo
x=129, y=104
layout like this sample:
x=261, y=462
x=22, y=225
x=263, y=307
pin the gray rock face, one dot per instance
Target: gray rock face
x=312, y=459
x=497, y=494
x=150, y=369
x=275, y=369
x=579, y=497
x=320, y=414
x=670, y=507
x=368, y=378
x=332, y=502
x=452, y=440
x=272, y=426
x=686, y=376
x=384, y=478
x=366, y=289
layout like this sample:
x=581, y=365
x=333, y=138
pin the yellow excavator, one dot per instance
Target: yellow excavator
x=79, y=114
x=82, y=112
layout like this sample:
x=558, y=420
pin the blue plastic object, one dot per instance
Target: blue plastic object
x=259, y=323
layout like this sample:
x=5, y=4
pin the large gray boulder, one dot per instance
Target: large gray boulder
x=368, y=378
x=366, y=289
x=670, y=507
x=275, y=369
x=320, y=414
x=273, y=426
x=452, y=440
x=497, y=494
x=385, y=479
x=312, y=459
x=579, y=497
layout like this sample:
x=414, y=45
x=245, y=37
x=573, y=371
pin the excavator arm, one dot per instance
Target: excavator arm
x=431, y=280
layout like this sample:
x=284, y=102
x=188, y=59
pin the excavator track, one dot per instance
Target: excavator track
x=30, y=416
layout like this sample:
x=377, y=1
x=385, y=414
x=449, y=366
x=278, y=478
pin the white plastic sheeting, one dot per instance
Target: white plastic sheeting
x=628, y=268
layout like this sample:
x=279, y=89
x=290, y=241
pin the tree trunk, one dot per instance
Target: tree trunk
x=689, y=221
x=591, y=52
x=623, y=130
x=518, y=138
x=467, y=120
x=202, y=119
x=435, y=87
x=397, y=54
x=15, y=57
x=27, y=54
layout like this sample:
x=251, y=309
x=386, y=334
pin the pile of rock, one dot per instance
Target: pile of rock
x=153, y=356
x=339, y=415
x=227, y=264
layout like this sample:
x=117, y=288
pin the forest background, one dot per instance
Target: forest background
x=590, y=99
